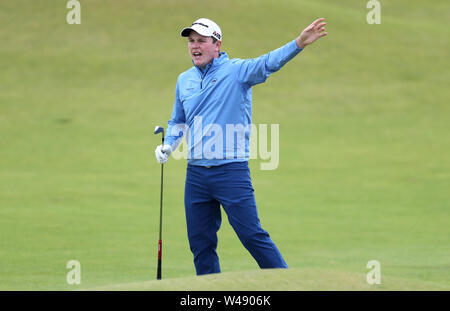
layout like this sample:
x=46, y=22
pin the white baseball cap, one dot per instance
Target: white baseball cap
x=204, y=27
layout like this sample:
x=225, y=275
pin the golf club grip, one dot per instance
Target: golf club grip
x=158, y=272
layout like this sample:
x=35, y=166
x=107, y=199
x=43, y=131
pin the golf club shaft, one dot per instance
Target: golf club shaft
x=158, y=272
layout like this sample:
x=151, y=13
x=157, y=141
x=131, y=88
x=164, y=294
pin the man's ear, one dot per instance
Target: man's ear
x=218, y=45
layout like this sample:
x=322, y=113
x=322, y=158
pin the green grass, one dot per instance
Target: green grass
x=296, y=279
x=364, y=166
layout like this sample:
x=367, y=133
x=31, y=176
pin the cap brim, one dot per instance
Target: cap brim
x=200, y=30
x=186, y=31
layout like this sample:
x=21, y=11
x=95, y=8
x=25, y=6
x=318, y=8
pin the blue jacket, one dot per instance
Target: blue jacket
x=213, y=106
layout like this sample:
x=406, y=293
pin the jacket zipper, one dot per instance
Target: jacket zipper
x=203, y=77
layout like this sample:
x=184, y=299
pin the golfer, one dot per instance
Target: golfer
x=213, y=108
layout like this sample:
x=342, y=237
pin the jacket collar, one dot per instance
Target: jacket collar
x=216, y=62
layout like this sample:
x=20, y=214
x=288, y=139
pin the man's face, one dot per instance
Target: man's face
x=202, y=49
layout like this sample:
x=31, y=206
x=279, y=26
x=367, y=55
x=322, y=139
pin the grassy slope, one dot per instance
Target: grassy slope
x=277, y=280
x=363, y=117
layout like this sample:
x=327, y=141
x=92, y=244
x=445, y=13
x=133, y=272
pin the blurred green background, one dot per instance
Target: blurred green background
x=364, y=119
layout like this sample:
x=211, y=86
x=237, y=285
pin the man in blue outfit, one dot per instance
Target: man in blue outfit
x=213, y=108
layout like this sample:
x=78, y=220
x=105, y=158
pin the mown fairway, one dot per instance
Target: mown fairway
x=364, y=170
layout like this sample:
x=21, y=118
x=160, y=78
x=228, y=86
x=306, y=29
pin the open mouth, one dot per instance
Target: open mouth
x=197, y=55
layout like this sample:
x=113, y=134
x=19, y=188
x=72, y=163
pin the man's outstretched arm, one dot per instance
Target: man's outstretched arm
x=257, y=70
x=311, y=33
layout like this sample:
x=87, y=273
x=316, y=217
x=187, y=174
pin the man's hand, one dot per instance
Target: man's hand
x=311, y=33
x=162, y=153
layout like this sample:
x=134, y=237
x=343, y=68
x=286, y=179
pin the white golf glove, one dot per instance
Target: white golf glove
x=162, y=153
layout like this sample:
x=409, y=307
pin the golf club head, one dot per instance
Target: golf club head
x=159, y=129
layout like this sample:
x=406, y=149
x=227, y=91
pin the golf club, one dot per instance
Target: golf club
x=158, y=130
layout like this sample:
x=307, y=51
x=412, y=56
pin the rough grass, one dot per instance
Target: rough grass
x=278, y=280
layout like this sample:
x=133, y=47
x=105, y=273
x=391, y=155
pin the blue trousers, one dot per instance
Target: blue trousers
x=228, y=185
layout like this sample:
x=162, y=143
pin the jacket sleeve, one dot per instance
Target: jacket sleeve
x=257, y=70
x=177, y=123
